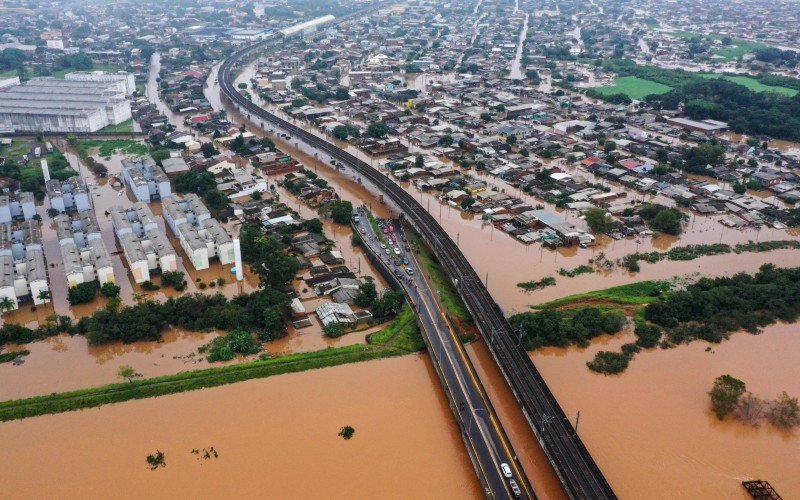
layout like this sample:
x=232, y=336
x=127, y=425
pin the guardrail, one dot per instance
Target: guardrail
x=576, y=468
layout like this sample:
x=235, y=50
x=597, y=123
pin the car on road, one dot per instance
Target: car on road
x=388, y=252
x=515, y=488
x=383, y=245
x=397, y=251
x=363, y=231
x=398, y=272
x=356, y=218
x=409, y=271
x=405, y=261
x=506, y=470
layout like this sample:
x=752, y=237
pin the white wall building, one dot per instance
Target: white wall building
x=146, y=179
x=83, y=252
x=53, y=105
x=19, y=206
x=202, y=237
x=68, y=195
x=122, y=80
x=144, y=245
x=23, y=271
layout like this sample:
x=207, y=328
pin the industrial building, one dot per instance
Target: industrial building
x=202, y=237
x=23, y=272
x=122, y=80
x=84, y=254
x=307, y=27
x=146, y=179
x=17, y=207
x=52, y=105
x=68, y=195
x=145, y=247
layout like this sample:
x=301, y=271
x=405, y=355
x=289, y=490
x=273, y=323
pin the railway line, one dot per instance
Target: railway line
x=573, y=463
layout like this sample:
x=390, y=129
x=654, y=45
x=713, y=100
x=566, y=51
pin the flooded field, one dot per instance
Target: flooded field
x=651, y=429
x=281, y=441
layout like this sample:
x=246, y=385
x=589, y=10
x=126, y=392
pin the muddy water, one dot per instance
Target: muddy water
x=275, y=444
x=652, y=431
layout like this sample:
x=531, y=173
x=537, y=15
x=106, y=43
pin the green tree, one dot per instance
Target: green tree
x=367, y=294
x=7, y=304
x=446, y=141
x=128, y=373
x=110, y=289
x=340, y=132
x=208, y=150
x=725, y=395
x=333, y=330
x=81, y=293
x=598, y=220
x=377, y=130
x=314, y=226
x=739, y=188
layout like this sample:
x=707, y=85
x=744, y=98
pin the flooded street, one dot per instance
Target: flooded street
x=281, y=441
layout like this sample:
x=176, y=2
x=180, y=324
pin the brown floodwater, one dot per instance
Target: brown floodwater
x=651, y=429
x=280, y=442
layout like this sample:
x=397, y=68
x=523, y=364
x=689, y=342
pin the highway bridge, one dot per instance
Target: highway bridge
x=576, y=468
x=490, y=451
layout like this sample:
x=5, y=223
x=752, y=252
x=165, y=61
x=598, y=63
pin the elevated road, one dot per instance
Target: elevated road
x=489, y=449
x=576, y=468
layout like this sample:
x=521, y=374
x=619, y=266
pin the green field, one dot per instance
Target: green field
x=642, y=292
x=126, y=126
x=751, y=83
x=739, y=48
x=403, y=333
x=107, y=148
x=109, y=68
x=633, y=87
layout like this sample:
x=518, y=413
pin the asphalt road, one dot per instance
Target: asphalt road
x=482, y=432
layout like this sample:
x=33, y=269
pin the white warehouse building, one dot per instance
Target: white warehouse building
x=23, y=271
x=84, y=254
x=202, y=237
x=122, y=80
x=145, y=247
x=52, y=105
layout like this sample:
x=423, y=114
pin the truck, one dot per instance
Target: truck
x=37, y=152
x=48, y=147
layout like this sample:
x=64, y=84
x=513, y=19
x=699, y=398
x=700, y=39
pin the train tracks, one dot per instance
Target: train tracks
x=576, y=468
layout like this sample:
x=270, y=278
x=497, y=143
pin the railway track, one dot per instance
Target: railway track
x=573, y=463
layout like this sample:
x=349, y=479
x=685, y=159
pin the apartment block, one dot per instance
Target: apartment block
x=202, y=237
x=145, y=247
x=83, y=252
x=68, y=195
x=23, y=271
x=146, y=179
x=16, y=207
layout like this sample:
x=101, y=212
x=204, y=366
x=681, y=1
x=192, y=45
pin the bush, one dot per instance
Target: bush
x=81, y=293
x=648, y=335
x=609, y=363
x=174, y=279
x=224, y=348
x=560, y=328
x=110, y=289
x=333, y=330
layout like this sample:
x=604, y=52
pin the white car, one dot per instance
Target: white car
x=396, y=251
x=506, y=470
x=383, y=246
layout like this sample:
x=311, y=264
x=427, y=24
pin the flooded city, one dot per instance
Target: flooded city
x=512, y=155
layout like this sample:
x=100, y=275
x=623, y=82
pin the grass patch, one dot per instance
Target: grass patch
x=529, y=286
x=751, y=83
x=17, y=149
x=633, y=87
x=108, y=68
x=7, y=357
x=189, y=381
x=642, y=292
x=402, y=333
x=106, y=149
x=447, y=293
x=126, y=126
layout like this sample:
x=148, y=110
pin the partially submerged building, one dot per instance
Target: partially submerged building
x=17, y=207
x=23, y=271
x=68, y=195
x=145, y=247
x=146, y=179
x=85, y=256
x=202, y=237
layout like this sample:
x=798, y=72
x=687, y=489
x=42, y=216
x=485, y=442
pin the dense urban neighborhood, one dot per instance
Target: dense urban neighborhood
x=507, y=207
